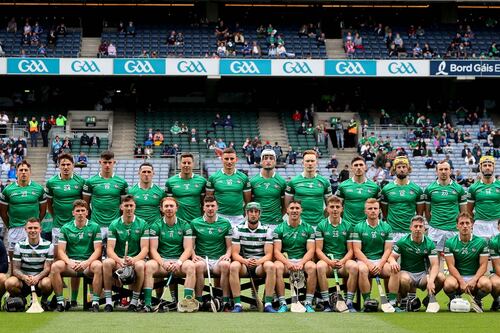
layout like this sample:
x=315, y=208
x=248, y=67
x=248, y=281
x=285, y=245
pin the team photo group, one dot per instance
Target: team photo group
x=150, y=240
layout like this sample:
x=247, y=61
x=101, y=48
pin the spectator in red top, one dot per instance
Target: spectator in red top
x=296, y=116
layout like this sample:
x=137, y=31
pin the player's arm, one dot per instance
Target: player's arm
x=288, y=198
x=483, y=266
x=393, y=258
x=110, y=251
x=283, y=205
x=235, y=253
x=97, y=252
x=383, y=207
x=268, y=254
x=319, y=250
x=387, y=252
x=227, y=255
x=61, y=253
x=278, y=255
x=358, y=253
x=17, y=272
x=420, y=209
x=153, y=250
x=188, y=248
x=3, y=213
x=463, y=201
x=144, y=250
x=247, y=195
x=49, y=206
x=450, y=261
x=311, y=249
x=43, y=209
x=434, y=269
x=496, y=266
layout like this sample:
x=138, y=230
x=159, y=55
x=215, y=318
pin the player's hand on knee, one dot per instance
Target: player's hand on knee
x=394, y=267
x=225, y=257
x=298, y=266
x=339, y=264
x=431, y=287
x=463, y=286
x=471, y=285
x=290, y=266
x=197, y=258
x=252, y=262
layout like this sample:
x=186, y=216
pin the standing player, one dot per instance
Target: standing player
x=335, y=253
x=467, y=258
x=372, y=245
x=103, y=193
x=62, y=190
x=415, y=250
x=230, y=187
x=252, y=249
x=170, y=250
x=483, y=199
x=401, y=198
x=212, y=237
x=187, y=188
x=147, y=195
x=268, y=189
x=310, y=188
x=295, y=238
x=495, y=277
x=134, y=230
x=79, y=248
x=31, y=264
x=355, y=191
x=19, y=201
x=444, y=200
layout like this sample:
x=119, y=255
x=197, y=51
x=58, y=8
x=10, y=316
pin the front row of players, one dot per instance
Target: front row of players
x=173, y=246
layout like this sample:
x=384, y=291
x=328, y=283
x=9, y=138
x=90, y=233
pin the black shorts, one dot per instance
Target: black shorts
x=26, y=290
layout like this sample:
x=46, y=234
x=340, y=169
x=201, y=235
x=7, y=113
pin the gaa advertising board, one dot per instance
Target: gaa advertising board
x=474, y=68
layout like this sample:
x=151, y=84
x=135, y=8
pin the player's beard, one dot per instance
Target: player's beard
x=401, y=176
x=487, y=175
x=253, y=222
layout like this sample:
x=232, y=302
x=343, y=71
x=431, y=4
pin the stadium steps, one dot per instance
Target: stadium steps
x=271, y=128
x=37, y=157
x=335, y=48
x=344, y=157
x=90, y=47
x=123, y=134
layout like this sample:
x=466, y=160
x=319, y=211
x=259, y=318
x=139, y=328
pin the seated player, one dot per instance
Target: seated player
x=127, y=232
x=31, y=264
x=495, y=277
x=334, y=251
x=252, y=249
x=372, y=245
x=295, y=238
x=79, y=251
x=4, y=267
x=467, y=258
x=170, y=250
x=212, y=238
x=415, y=250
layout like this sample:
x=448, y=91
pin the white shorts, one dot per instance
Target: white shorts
x=467, y=278
x=56, y=233
x=485, y=229
x=416, y=278
x=397, y=236
x=235, y=220
x=439, y=237
x=212, y=264
x=15, y=235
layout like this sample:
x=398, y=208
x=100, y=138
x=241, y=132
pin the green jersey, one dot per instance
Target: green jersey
x=23, y=202
x=495, y=247
x=80, y=241
x=252, y=241
x=355, y=195
x=188, y=193
x=170, y=238
x=372, y=239
x=63, y=193
x=210, y=238
x=228, y=190
x=486, y=200
x=466, y=254
x=33, y=258
x=334, y=238
x=401, y=201
x=414, y=255
x=312, y=191
x=105, y=197
x=133, y=233
x=294, y=239
x=269, y=193
x=147, y=202
x=47, y=223
x=444, y=201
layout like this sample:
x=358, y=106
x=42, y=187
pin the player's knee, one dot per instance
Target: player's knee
x=45, y=285
x=108, y=263
x=280, y=268
x=450, y=284
x=235, y=267
x=310, y=268
x=321, y=267
x=189, y=267
x=11, y=283
x=3, y=277
x=363, y=269
x=150, y=267
x=404, y=279
x=269, y=268
x=484, y=284
x=224, y=266
x=96, y=267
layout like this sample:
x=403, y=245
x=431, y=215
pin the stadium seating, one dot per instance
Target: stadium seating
x=297, y=141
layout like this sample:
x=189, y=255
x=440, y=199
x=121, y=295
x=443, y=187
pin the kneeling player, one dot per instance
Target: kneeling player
x=334, y=251
x=212, y=234
x=372, y=245
x=170, y=248
x=252, y=251
x=295, y=238
x=31, y=264
x=495, y=277
x=467, y=258
x=415, y=249
x=79, y=251
x=127, y=232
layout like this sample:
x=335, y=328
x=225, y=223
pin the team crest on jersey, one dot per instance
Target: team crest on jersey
x=137, y=231
x=344, y=233
x=33, y=193
x=474, y=249
x=238, y=181
x=196, y=185
x=179, y=232
x=219, y=230
x=412, y=192
x=382, y=234
x=116, y=186
x=89, y=234
x=303, y=234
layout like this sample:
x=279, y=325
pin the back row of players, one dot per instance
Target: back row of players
x=357, y=234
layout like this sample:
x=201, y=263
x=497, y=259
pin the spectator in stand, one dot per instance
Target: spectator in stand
x=302, y=129
x=239, y=38
x=222, y=50
x=42, y=51
x=82, y=160
x=61, y=120
x=334, y=163
x=103, y=49
x=184, y=129
x=61, y=29
x=470, y=160
x=111, y=50
x=221, y=29
x=171, y=38
x=12, y=25
x=459, y=178
x=493, y=50
x=66, y=146
x=310, y=129
x=282, y=53
x=194, y=138
x=477, y=152
x=291, y=156
x=131, y=29
x=175, y=129
x=349, y=48
x=5, y=166
x=4, y=120
x=220, y=144
x=33, y=129
x=358, y=41
x=158, y=138
x=11, y=174
x=85, y=140
x=296, y=116
x=272, y=52
x=417, y=51
x=2, y=52
x=430, y=163
x=148, y=152
x=228, y=122
x=52, y=38
x=256, y=51
x=121, y=28
x=420, y=31
x=321, y=39
x=412, y=32
x=179, y=39
x=261, y=31
x=95, y=141
x=303, y=30
x=385, y=119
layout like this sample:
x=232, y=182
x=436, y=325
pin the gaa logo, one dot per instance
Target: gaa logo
x=32, y=66
x=244, y=67
x=296, y=67
x=191, y=67
x=85, y=66
x=139, y=67
x=401, y=68
x=350, y=68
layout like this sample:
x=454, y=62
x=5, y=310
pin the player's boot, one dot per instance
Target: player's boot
x=309, y=308
x=237, y=309
x=283, y=308
x=327, y=307
x=147, y=309
x=495, y=306
x=269, y=309
x=350, y=306
x=95, y=307
x=479, y=302
x=60, y=307
x=132, y=308
x=108, y=308
x=74, y=304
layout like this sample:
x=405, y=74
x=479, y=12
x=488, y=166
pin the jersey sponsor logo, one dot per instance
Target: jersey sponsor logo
x=85, y=66
x=297, y=67
x=191, y=67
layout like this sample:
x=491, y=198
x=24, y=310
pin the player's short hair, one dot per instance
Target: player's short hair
x=309, y=152
x=334, y=199
x=169, y=198
x=358, y=158
x=80, y=203
x=465, y=215
x=229, y=151
x=107, y=155
x=372, y=201
x=146, y=164
x=209, y=199
x=417, y=218
x=33, y=220
x=442, y=162
x=127, y=198
x=187, y=155
x=65, y=156
x=296, y=201
x=23, y=162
